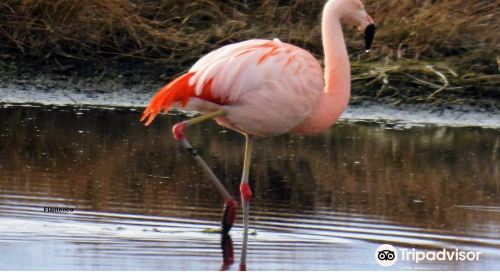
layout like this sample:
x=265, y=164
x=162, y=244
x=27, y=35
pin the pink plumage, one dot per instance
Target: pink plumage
x=266, y=87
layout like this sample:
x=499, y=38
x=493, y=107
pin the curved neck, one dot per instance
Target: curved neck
x=337, y=74
x=337, y=67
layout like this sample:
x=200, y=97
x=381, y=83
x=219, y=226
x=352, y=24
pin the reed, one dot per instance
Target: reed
x=432, y=47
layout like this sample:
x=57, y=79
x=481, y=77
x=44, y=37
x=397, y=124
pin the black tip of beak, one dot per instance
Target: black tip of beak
x=369, y=34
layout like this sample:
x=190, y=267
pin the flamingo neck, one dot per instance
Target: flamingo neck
x=337, y=74
x=337, y=67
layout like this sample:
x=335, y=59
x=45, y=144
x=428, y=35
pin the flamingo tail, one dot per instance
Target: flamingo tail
x=178, y=90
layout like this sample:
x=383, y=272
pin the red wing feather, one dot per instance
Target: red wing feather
x=178, y=90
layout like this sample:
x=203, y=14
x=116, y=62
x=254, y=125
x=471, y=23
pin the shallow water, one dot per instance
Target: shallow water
x=320, y=203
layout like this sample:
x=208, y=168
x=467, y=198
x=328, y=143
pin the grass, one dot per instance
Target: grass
x=420, y=51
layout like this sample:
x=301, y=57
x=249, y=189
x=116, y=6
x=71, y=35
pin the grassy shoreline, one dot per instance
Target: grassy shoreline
x=420, y=53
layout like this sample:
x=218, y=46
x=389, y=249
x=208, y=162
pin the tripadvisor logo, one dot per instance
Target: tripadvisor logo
x=388, y=255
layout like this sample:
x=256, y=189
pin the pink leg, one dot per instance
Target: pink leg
x=230, y=204
x=246, y=196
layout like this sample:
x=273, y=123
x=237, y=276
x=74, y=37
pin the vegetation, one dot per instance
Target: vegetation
x=423, y=50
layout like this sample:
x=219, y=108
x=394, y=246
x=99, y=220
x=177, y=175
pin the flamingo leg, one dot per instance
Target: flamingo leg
x=246, y=196
x=227, y=252
x=230, y=204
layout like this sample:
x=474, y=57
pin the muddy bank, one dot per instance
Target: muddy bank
x=112, y=83
x=409, y=82
x=112, y=94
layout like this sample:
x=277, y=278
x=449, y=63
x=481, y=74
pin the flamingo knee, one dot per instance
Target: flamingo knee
x=229, y=214
x=246, y=192
x=178, y=131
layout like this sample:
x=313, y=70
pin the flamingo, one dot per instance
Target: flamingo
x=263, y=88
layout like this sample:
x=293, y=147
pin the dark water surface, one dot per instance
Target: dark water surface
x=320, y=203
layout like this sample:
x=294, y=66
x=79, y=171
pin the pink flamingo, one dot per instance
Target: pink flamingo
x=264, y=88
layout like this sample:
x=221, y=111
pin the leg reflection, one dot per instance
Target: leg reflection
x=227, y=251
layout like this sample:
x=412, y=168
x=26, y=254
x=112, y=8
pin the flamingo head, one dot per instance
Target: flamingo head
x=354, y=13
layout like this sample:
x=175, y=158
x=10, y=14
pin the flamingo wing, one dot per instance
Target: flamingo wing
x=238, y=73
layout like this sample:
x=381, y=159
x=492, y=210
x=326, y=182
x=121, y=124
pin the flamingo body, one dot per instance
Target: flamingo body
x=266, y=87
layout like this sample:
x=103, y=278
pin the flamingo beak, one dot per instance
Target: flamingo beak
x=369, y=34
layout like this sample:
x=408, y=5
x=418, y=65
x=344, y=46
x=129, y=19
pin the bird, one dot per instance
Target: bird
x=263, y=88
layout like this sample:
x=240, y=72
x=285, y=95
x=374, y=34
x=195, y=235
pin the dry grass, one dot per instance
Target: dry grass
x=412, y=35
